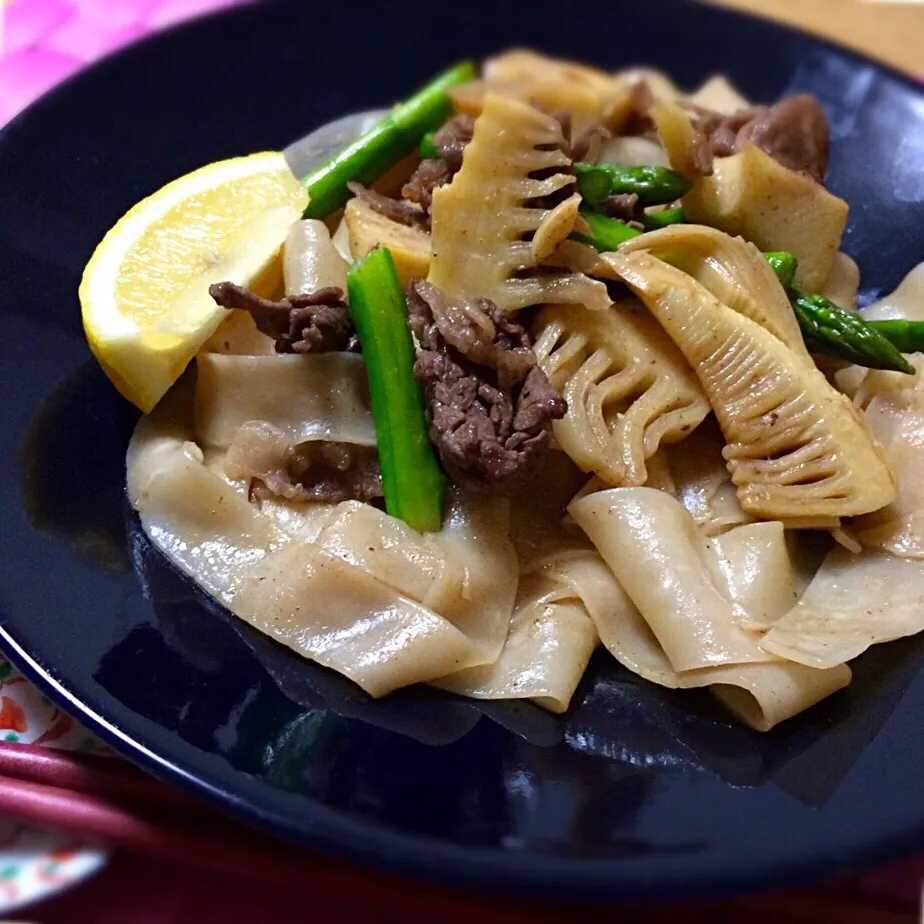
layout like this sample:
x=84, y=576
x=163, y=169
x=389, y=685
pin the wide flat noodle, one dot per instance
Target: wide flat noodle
x=763, y=695
x=342, y=617
x=854, y=601
x=907, y=301
x=893, y=405
x=757, y=568
x=476, y=536
x=308, y=397
x=346, y=599
x=622, y=628
x=200, y=521
x=390, y=551
x=760, y=694
x=544, y=657
x=662, y=562
x=238, y=335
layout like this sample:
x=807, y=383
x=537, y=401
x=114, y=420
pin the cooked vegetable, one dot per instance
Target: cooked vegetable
x=825, y=327
x=479, y=250
x=655, y=220
x=829, y=329
x=427, y=147
x=796, y=448
x=733, y=270
x=383, y=145
x=784, y=265
x=606, y=234
x=652, y=185
x=752, y=195
x=905, y=336
x=411, y=477
x=368, y=229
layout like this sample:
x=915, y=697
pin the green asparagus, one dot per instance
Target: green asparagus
x=829, y=329
x=784, y=265
x=385, y=144
x=905, y=336
x=655, y=220
x=652, y=185
x=427, y=147
x=411, y=476
x=606, y=234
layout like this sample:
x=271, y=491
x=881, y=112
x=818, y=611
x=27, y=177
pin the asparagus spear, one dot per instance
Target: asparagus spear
x=652, y=185
x=606, y=234
x=784, y=265
x=655, y=220
x=905, y=336
x=385, y=144
x=828, y=328
x=427, y=147
x=411, y=476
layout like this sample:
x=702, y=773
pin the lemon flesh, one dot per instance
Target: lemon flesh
x=144, y=294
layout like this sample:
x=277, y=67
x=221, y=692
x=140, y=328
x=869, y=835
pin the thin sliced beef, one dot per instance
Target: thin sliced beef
x=433, y=172
x=450, y=141
x=399, y=210
x=489, y=406
x=430, y=175
x=313, y=471
x=794, y=131
x=623, y=206
x=315, y=323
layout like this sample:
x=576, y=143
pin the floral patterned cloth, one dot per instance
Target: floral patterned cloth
x=37, y=864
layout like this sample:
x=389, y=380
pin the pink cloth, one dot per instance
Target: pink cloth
x=45, y=41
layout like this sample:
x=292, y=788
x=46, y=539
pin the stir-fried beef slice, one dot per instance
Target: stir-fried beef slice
x=312, y=471
x=399, y=210
x=489, y=406
x=623, y=206
x=335, y=472
x=430, y=175
x=450, y=141
x=639, y=122
x=794, y=131
x=315, y=323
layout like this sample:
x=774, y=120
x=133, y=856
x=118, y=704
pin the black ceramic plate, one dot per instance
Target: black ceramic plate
x=636, y=791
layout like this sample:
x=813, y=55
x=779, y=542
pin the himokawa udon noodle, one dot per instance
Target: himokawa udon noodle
x=645, y=447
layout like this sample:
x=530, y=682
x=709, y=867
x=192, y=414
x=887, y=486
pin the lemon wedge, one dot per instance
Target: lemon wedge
x=144, y=294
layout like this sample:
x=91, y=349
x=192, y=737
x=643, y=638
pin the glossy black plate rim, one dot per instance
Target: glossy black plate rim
x=486, y=868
